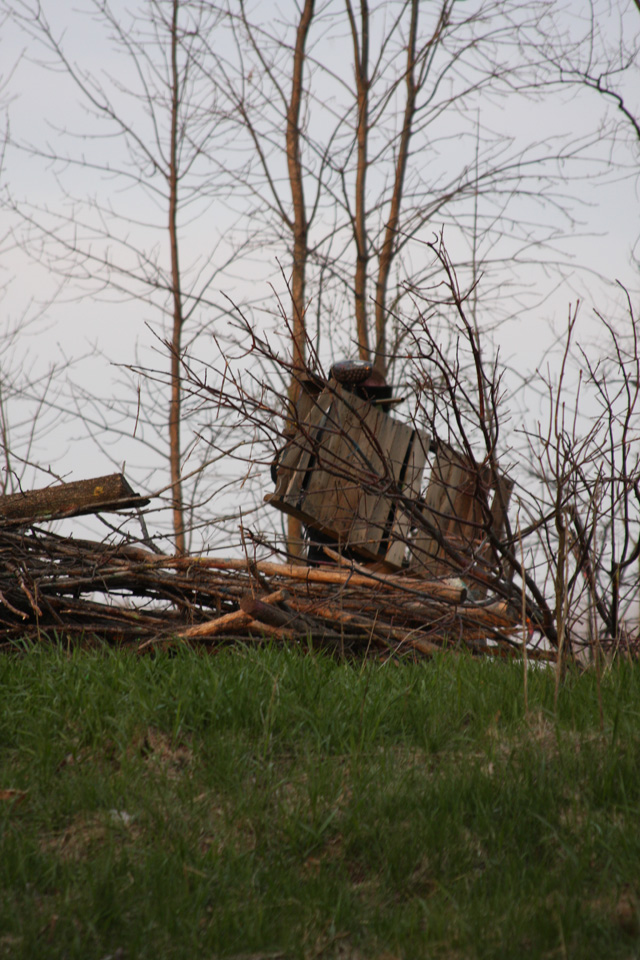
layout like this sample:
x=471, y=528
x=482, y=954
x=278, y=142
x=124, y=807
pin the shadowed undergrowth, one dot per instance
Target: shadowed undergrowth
x=264, y=804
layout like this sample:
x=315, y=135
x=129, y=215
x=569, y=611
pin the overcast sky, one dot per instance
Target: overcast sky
x=41, y=105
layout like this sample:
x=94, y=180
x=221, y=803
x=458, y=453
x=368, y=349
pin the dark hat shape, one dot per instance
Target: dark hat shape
x=361, y=377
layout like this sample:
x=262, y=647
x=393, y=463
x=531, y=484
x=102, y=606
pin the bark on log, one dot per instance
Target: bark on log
x=236, y=619
x=258, y=629
x=265, y=613
x=69, y=500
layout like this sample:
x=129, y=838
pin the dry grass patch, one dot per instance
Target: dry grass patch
x=86, y=835
x=222, y=829
x=10, y=945
x=160, y=750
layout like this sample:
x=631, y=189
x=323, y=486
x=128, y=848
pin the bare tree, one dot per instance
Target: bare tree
x=299, y=226
x=588, y=464
x=156, y=183
x=341, y=170
x=576, y=542
x=29, y=396
x=604, y=62
x=327, y=134
x=349, y=168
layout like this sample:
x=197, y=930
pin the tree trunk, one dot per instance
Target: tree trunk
x=389, y=245
x=175, y=402
x=300, y=237
x=361, y=61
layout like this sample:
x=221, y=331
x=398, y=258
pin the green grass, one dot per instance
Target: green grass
x=268, y=804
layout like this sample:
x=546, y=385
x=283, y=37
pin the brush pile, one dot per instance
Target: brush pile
x=57, y=586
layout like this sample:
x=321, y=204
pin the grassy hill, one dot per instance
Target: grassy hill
x=267, y=804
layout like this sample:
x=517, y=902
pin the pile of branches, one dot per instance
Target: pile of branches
x=52, y=586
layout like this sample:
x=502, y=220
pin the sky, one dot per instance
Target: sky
x=99, y=334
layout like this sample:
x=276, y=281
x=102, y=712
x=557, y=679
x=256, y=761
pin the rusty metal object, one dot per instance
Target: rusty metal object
x=352, y=371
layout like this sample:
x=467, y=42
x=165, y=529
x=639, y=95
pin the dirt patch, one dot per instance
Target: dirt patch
x=161, y=750
x=86, y=835
x=332, y=852
x=173, y=757
x=542, y=730
x=627, y=912
x=223, y=828
x=622, y=910
x=10, y=945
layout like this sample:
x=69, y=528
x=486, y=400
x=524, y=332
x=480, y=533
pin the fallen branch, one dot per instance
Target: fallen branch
x=240, y=618
x=73, y=499
x=125, y=594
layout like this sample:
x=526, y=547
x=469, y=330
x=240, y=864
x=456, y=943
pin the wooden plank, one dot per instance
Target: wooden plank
x=73, y=499
x=297, y=456
x=499, y=507
x=373, y=520
x=455, y=504
x=372, y=526
x=298, y=465
x=351, y=442
x=332, y=495
x=371, y=515
x=409, y=479
x=439, y=505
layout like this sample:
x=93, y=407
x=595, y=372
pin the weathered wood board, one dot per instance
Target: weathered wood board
x=342, y=445
x=460, y=502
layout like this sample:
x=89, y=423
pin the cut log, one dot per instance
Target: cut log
x=237, y=619
x=266, y=613
x=261, y=630
x=69, y=500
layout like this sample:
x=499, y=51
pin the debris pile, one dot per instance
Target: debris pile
x=125, y=594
